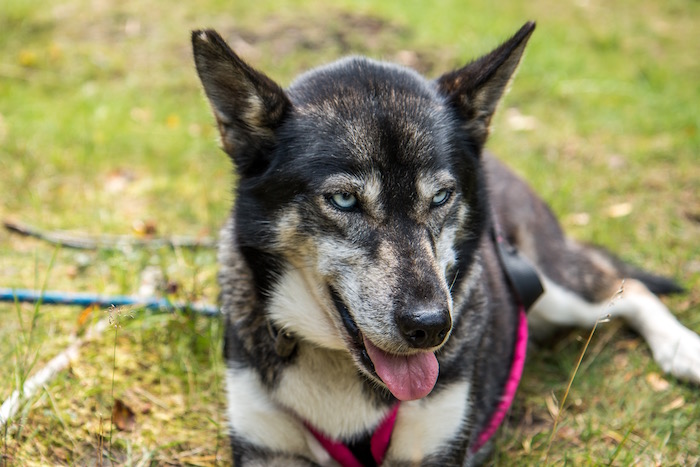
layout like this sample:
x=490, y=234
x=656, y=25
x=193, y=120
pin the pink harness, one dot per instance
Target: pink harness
x=516, y=372
x=379, y=442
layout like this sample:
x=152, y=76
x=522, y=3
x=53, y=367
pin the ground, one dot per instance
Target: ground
x=104, y=130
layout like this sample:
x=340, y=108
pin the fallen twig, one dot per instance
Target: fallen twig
x=57, y=364
x=106, y=242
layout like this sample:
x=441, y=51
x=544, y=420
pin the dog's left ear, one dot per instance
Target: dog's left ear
x=475, y=89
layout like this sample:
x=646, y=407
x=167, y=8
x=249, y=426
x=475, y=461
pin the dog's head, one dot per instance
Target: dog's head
x=361, y=187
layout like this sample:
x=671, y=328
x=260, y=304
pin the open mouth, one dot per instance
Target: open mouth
x=353, y=331
x=408, y=377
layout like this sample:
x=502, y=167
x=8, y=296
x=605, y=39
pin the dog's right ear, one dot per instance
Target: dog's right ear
x=248, y=105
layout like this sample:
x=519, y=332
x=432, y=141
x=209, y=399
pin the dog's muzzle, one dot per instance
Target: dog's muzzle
x=409, y=376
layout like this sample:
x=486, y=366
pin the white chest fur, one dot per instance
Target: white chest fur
x=325, y=390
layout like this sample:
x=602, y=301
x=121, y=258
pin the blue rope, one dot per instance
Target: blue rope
x=103, y=301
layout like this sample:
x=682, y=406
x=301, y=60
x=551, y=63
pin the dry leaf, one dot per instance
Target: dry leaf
x=122, y=416
x=657, y=383
x=616, y=161
x=118, y=180
x=200, y=460
x=136, y=403
x=145, y=228
x=60, y=453
x=85, y=314
x=619, y=210
x=552, y=406
x=615, y=436
x=407, y=58
x=676, y=403
x=578, y=218
x=72, y=271
x=520, y=122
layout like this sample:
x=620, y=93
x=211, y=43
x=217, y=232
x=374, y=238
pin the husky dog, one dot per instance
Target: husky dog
x=370, y=316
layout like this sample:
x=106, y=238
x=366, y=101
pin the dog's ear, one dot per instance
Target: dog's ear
x=475, y=89
x=248, y=105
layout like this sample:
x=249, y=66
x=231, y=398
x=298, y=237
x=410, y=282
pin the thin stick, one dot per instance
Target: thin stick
x=601, y=319
x=106, y=242
x=568, y=388
x=57, y=364
x=115, y=323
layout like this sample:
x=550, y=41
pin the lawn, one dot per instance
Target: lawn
x=104, y=131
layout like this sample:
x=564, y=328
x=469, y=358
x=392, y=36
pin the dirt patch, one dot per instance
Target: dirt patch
x=337, y=34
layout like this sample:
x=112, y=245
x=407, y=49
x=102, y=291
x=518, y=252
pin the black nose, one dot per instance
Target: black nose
x=425, y=328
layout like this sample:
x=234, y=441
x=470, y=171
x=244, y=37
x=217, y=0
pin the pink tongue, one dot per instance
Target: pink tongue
x=407, y=377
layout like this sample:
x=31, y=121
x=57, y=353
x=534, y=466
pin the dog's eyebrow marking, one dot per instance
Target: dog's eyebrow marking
x=428, y=185
x=368, y=187
x=373, y=191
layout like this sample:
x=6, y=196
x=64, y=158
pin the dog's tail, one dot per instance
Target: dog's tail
x=656, y=283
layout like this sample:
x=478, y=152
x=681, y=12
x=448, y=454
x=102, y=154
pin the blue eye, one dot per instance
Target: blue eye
x=343, y=201
x=440, y=197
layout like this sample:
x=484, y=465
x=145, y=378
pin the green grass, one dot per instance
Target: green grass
x=103, y=126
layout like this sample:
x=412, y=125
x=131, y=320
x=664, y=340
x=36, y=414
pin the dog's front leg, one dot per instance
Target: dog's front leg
x=675, y=348
x=262, y=432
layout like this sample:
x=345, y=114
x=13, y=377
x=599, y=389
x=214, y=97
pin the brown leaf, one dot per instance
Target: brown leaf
x=552, y=406
x=85, y=314
x=657, y=383
x=122, y=416
x=118, y=180
x=520, y=122
x=676, y=403
x=145, y=228
x=60, y=453
x=615, y=436
x=137, y=403
x=619, y=210
x=578, y=218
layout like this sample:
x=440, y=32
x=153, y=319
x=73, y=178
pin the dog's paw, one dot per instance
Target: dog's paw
x=678, y=353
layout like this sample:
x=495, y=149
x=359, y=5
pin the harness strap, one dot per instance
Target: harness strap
x=516, y=372
x=527, y=288
x=382, y=435
x=379, y=443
